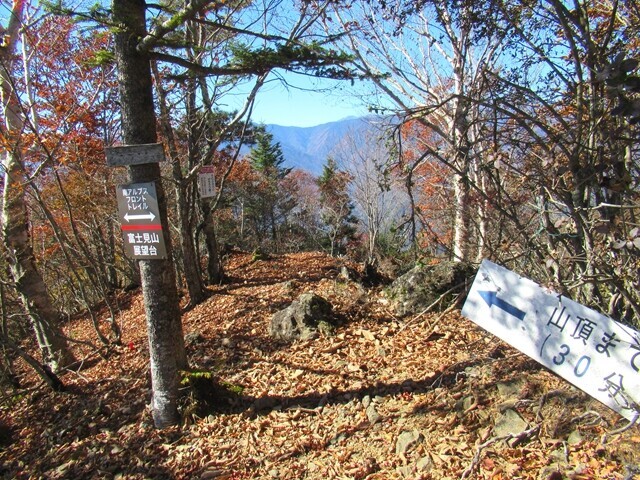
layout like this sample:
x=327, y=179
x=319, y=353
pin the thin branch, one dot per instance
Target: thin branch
x=435, y=303
x=176, y=21
x=624, y=428
x=519, y=437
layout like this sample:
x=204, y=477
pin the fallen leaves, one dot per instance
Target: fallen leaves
x=334, y=407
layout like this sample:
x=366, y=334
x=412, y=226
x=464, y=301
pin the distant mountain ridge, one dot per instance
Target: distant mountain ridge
x=308, y=148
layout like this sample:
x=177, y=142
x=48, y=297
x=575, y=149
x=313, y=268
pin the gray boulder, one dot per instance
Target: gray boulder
x=421, y=286
x=305, y=318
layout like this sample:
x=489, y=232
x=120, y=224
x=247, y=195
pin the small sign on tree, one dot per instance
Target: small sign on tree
x=207, y=181
x=134, y=154
x=140, y=221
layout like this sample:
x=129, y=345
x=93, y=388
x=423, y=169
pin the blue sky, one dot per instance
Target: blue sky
x=307, y=102
x=318, y=102
x=313, y=102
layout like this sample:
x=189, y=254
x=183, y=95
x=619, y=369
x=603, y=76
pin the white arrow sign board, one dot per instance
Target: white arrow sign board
x=140, y=221
x=590, y=350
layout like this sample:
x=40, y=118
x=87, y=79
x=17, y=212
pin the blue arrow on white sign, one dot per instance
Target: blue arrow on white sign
x=493, y=301
x=595, y=353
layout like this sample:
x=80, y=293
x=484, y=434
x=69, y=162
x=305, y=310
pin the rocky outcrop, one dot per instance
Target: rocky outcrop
x=423, y=285
x=305, y=318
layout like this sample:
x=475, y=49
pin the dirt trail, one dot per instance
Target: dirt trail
x=424, y=398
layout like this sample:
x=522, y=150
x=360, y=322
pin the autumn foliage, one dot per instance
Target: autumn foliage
x=531, y=162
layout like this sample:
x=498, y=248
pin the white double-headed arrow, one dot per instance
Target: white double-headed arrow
x=145, y=216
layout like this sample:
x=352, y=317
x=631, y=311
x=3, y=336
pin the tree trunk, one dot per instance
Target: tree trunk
x=166, y=342
x=461, y=218
x=215, y=270
x=15, y=221
x=193, y=280
x=197, y=293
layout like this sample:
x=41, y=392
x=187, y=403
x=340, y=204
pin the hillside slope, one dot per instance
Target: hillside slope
x=427, y=397
x=308, y=148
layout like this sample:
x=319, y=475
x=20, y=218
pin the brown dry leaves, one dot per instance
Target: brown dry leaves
x=334, y=407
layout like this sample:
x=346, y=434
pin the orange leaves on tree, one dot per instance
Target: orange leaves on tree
x=430, y=183
x=73, y=99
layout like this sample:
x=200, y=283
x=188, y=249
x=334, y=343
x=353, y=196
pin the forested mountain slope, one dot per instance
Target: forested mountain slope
x=424, y=397
x=308, y=148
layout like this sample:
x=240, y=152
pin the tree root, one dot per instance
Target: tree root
x=518, y=438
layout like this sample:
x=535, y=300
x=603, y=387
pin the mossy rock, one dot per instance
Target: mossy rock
x=202, y=394
x=307, y=317
x=423, y=285
x=259, y=255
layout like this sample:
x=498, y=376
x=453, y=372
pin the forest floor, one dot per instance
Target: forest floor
x=424, y=397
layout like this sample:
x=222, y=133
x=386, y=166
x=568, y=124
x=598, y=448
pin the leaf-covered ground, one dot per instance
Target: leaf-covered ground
x=424, y=397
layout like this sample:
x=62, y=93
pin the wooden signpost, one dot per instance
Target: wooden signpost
x=126, y=155
x=595, y=353
x=137, y=203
